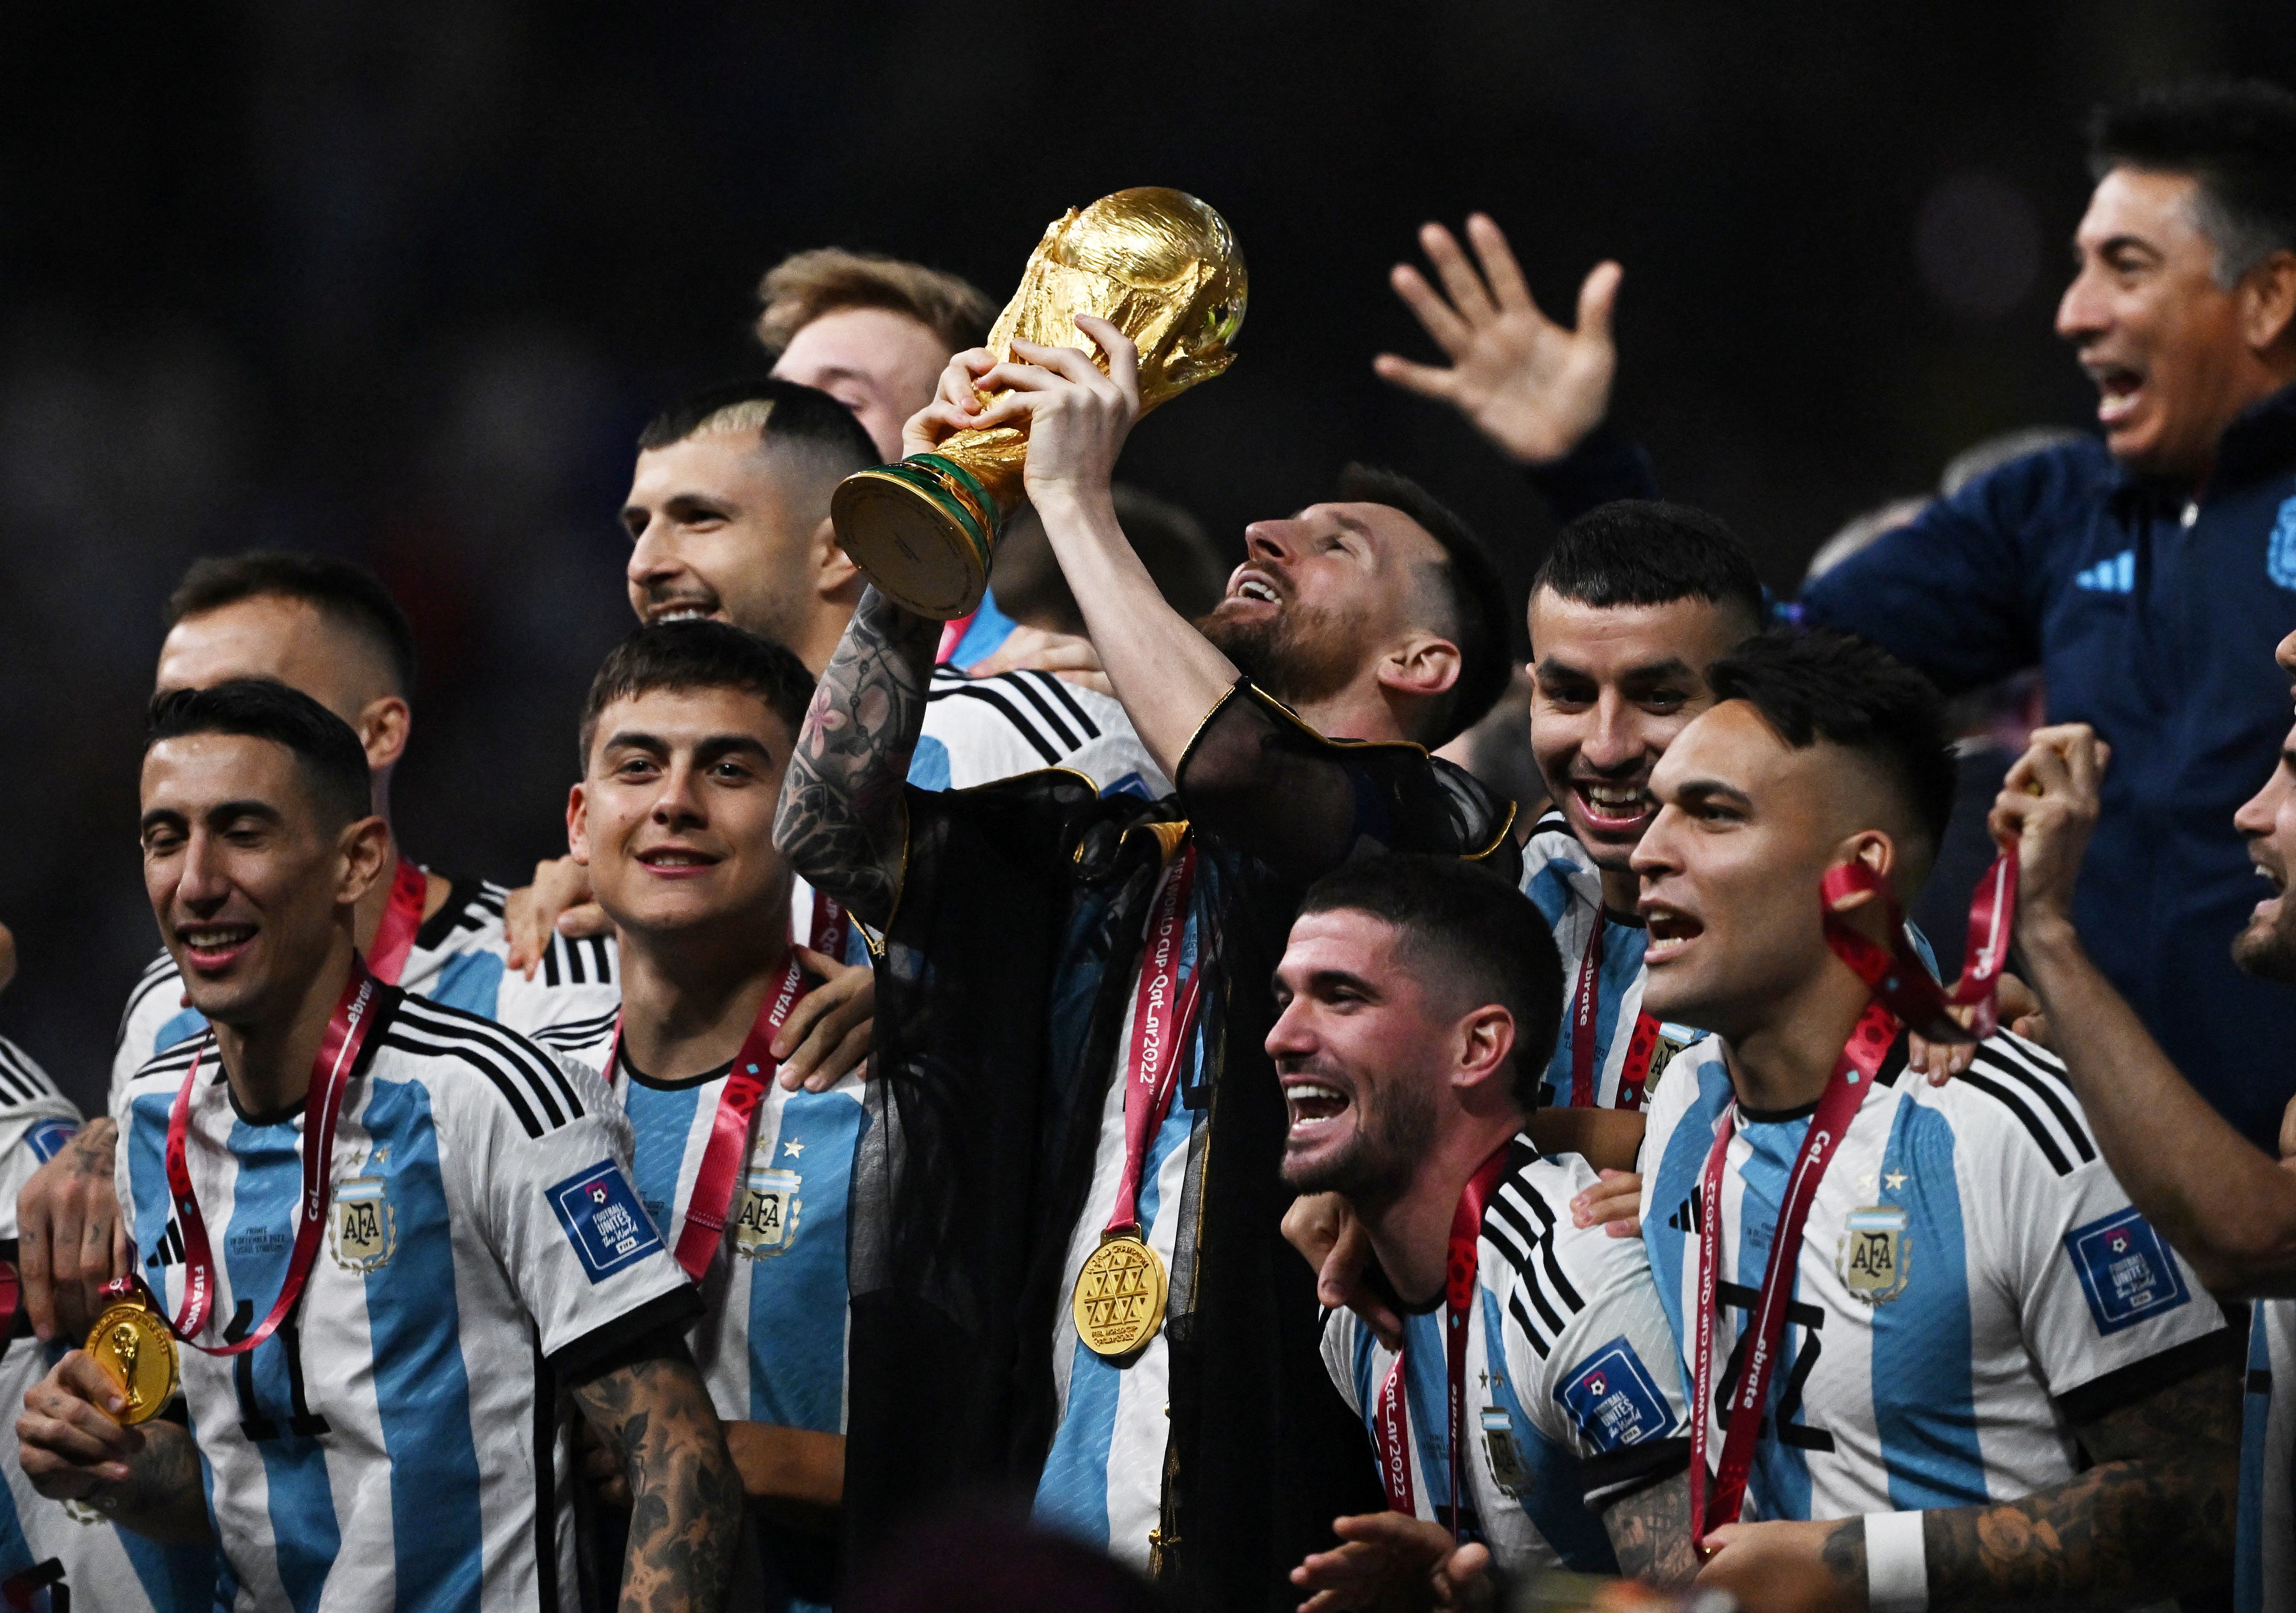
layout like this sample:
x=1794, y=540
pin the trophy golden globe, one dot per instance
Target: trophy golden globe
x=1161, y=266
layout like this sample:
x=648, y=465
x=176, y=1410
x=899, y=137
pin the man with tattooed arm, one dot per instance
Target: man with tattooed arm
x=390, y=1235
x=1067, y=1271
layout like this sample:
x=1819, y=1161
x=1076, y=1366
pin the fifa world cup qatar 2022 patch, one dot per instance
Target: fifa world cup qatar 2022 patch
x=603, y=1219
x=2125, y=1271
x=1613, y=1399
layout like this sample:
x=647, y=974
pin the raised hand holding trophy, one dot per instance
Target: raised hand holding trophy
x=1161, y=266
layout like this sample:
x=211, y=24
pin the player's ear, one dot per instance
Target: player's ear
x=1878, y=852
x=365, y=851
x=578, y=824
x=1483, y=1063
x=384, y=725
x=1422, y=664
x=834, y=574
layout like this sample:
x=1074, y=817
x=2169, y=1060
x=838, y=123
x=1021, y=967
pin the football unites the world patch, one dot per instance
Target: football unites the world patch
x=603, y=1219
x=2125, y=1271
x=47, y=1140
x=1613, y=1398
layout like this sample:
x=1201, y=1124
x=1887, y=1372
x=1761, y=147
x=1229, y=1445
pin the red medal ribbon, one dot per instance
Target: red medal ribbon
x=1894, y=974
x=751, y=1073
x=1460, y=1265
x=1853, y=1077
x=322, y=1109
x=1586, y=1009
x=1161, y=1013
x=394, y=937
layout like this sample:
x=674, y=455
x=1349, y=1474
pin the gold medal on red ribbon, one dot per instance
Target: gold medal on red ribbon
x=1119, y=1295
x=131, y=1342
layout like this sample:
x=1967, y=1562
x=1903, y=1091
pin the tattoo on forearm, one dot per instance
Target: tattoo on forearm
x=1651, y=1534
x=2153, y=1519
x=1844, y=1555
x=163, y=1496
x=685, y=1496
x=841, y=822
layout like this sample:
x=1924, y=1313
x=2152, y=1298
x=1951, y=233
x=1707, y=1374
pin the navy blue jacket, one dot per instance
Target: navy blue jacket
x=2153, y=618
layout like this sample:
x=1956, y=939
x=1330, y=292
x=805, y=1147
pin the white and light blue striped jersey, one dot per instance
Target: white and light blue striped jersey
x=457, y=958
x=772, y=1343
x=1565, y=885
x=1574, y=1398
x=1103, y=1478
x=2264, y=1570
x=1973, y=1283
x=51, y=1545
x=979, y=730
x=398, y=1443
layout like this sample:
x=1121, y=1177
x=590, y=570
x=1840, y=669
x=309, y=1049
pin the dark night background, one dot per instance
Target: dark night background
x=402, y=281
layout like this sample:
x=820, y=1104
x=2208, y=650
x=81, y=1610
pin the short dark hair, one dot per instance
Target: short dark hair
x=1649, y=552
x=350, y=595
x=1463, y=925
x=783, y=414
x=332, y=761
x=1468, y=587
x=698, y=655
x=1826, y=685
x=2236, y=138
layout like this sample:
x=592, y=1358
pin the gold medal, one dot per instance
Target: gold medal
x=1120, y=1296
x=132, y=1343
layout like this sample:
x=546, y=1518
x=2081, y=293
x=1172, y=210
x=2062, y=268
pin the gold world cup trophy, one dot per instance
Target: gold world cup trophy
x=1161, y=266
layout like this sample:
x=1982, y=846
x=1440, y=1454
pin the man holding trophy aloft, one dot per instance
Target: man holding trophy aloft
x=1067, y=1269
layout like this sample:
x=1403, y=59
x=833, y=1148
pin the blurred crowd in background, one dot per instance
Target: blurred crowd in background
x=401, y=285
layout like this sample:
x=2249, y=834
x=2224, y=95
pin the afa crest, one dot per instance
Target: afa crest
x=1873, y=1254
x=363, y=1234
x=766, y=1223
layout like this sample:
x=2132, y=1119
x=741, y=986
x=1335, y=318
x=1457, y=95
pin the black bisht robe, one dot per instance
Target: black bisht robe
x=1001, y=991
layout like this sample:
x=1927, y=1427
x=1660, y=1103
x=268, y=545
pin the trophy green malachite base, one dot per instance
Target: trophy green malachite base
x=923, y=531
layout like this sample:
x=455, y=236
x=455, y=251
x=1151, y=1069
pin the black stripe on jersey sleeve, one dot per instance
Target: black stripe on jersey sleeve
x=1020, y=724
x=156, y=974
x=550, y=962
x=2006, y=1059
x=2126, y=1385
x=1551, y=821
x=1979, y=1081
x=20, y=1077
x=543, y=1432
x=437, y=1031
x=576, y=975
x=602, y=962
x=492, y=898
x=652, y=1331
x=1542, y=1301
x=1059, y=690
x=1563, y=1291
x=576, y=1032
x=1540, y=1341
x=463, y=890
x=1615, y=1475
x=1025, y=688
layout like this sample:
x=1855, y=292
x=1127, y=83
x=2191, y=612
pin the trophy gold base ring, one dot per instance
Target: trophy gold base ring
x=923, y=531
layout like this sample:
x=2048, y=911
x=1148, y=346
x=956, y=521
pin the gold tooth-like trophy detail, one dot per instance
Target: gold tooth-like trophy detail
x=1157, y=264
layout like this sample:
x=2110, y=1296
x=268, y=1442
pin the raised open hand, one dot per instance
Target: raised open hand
x=1532, y=386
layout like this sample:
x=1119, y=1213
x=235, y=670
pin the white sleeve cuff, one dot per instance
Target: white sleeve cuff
x=1897, y=1563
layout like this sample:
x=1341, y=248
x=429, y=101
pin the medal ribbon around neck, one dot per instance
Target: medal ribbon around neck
x=1586, y=1008
x=1162, y=1013
x=751, y=1073
x=1853, y=1076
x=322, y=1109
x=1460, y=1268
x=1895, y=975
x=394, y=937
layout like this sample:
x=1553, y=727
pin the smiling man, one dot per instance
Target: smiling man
x=1984, y=1377
x=419, y=1225
x=1416, y=998
x=1073, y=1280
x=2148, y=574
x=684, y=738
